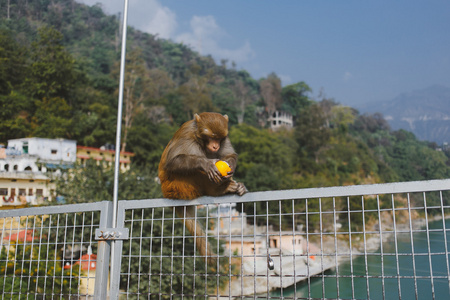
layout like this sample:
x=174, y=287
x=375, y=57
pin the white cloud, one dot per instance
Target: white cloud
x=163, y=22
x=146, y=15
x=152, y=17
x=205, y=27
x=204, y=36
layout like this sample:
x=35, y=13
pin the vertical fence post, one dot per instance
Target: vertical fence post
x=116, y=256
x=103, y=251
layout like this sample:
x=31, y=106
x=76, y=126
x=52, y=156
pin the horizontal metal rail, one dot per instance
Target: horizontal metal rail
x=339, y=191
x=43, y=210
x=380, y=241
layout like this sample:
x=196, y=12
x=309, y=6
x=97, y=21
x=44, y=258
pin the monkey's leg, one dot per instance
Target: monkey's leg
x=198, y=232
x=180, y=189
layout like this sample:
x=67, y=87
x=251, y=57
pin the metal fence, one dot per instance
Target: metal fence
x=383, y=241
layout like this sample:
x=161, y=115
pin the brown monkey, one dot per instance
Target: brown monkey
x=187, y=168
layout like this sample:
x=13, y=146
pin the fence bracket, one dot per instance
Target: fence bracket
x=109, y=234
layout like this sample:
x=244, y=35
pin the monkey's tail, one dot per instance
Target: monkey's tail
x=194, y=227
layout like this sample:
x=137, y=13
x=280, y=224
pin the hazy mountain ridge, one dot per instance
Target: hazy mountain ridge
x=424, y=112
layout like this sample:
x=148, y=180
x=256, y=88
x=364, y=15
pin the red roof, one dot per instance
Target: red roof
x=24, y=235
x=102, y=158
x=88, y=262
x=101, y=150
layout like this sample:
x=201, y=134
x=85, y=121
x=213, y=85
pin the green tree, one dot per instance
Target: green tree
x=270, y=89
x=95, y=124
x=260, y=149
x=52, y=71
x=342, y=117
x=195, y=96
x=136, y=89
x=147, y=141
x=295, y=98
x=93, y=182
x=16, y=108
x=311, y=132
x=13, y=65
x=224, y=100
x=52, y=118
x=242, y=94
x=15, y=116
x=414, y=160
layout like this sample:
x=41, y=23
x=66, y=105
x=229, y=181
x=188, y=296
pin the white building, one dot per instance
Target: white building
x=51, y=150
x=23, y=167
x=281, y=119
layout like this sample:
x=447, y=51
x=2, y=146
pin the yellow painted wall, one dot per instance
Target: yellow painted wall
x=105, y=156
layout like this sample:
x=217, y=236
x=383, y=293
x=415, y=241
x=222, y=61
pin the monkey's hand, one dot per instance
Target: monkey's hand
x=241, y=189
x=212, y=171
x=229, y=175
x=236, y=188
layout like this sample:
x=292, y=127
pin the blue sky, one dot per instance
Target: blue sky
x=355, y=51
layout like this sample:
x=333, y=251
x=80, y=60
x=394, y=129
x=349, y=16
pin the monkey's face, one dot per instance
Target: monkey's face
x=212, y=141
x=212, y=129
x=212, y=145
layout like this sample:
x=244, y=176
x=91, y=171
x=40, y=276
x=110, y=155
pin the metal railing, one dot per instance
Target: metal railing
x=382, y=241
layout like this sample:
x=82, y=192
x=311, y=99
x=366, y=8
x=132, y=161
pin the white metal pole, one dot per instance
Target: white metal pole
x=113, y=283
x=119, y=112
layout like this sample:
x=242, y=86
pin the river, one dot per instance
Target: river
x=377, y=286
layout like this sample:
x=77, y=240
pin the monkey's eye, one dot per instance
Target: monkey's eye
x=206, y=132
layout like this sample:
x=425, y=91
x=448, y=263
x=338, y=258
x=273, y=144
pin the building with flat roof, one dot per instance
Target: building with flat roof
x=105, y=155
x=28, y=165
x=49, y=150
x=280, y=119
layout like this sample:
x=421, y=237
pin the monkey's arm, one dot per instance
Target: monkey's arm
x=228, y=154
x=188, y=158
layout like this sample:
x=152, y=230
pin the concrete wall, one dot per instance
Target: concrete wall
x=46, y=149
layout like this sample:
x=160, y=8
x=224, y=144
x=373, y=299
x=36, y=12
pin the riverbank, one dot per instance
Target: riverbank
x=330, y=252
x=394, y=272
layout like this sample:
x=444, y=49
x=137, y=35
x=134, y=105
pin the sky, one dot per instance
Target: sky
x=354, y=51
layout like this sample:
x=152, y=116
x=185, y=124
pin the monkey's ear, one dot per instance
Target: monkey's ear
x=197, y=118
x=226, y=117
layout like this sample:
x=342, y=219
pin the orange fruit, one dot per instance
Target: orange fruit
x=223, y=167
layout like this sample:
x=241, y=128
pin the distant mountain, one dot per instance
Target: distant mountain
x=424, y=112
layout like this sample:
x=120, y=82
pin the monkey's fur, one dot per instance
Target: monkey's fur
x=187, y=169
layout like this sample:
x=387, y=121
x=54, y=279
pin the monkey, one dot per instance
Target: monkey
x=187, y=169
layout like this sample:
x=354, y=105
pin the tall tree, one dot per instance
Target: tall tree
x=195, y=94
x=136, y=89
x=52, y=72
x=13, y=65
x=271, y=92
x=16, y=107
x=143, y=89
x=312, y=131
x=295, y=98
x=52, y=118
x=243, y=98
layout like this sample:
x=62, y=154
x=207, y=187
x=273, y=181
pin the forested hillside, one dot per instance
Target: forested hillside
x=59, y=69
